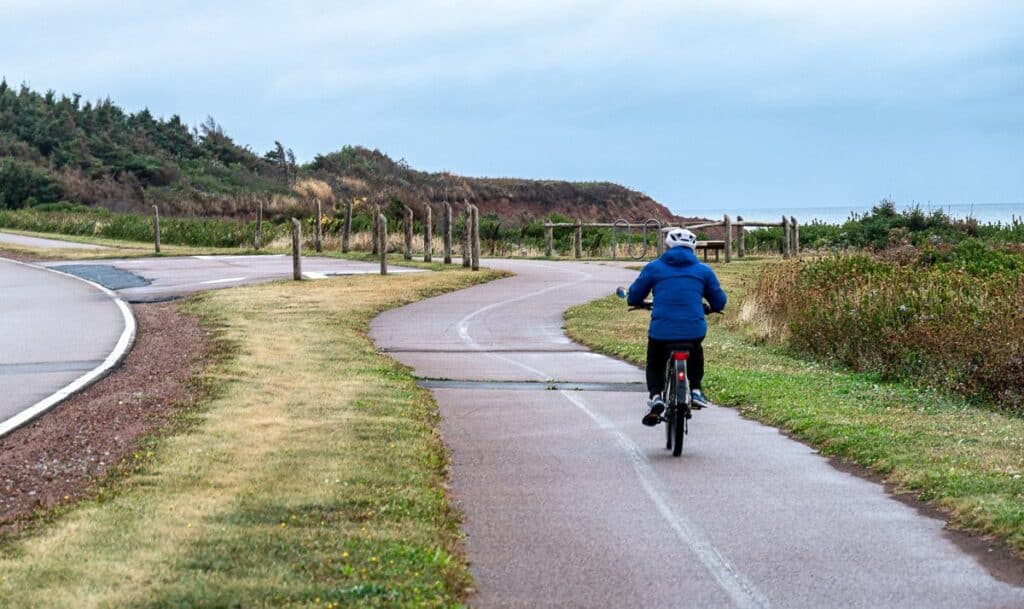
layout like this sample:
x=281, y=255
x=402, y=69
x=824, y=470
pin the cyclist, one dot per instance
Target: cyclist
x=680, y=284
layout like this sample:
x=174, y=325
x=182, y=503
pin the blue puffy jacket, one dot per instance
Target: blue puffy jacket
x=679, y=282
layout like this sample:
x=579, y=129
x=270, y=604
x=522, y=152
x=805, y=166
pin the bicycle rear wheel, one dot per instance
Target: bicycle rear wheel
x=678, y=408
x=669, y=397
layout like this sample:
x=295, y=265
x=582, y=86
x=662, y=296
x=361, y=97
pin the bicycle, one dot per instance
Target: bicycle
x=676, y=391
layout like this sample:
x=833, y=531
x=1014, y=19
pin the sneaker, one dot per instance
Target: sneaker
x=697, y=400
x=655, y=407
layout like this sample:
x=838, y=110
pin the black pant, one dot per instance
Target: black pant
x=657, y=356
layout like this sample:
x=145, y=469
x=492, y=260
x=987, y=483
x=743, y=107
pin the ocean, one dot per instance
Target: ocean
x=983, y=212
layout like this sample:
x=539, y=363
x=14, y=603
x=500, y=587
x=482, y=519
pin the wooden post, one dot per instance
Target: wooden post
x=409, y=219
x=579, y=239
x=467, y=238
x=428, y=235
x=257, y=239
x=376, y=230
x=447, y=228
x=785, y=237
x=796, y=236
x=318, y=235
x=740, y=237
x=549, y=239
x=296, y=250
x=156, y=228
x=727, y=221
x=615, y=244
x=346, y=229
x=476, y=238
x=659, y=242
x=382, y=229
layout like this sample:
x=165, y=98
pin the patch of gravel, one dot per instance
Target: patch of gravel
x=59, y=457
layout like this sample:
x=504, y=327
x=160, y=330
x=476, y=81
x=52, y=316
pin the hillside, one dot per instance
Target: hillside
x=94, y=153
x=358, y=172
x=59, y=148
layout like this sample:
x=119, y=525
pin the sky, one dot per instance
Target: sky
x=709, y=105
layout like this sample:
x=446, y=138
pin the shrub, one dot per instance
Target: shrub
x=949, y=319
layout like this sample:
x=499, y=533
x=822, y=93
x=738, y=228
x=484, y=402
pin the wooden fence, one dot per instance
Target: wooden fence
x=790, y=234
x=651, y=225
x=733, y=242
x=733, y=239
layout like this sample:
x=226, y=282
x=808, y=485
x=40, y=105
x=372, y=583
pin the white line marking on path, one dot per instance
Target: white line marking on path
x=124, y=343
x=314, y=275
x=741, y=590
x=227, y=280
x=463, y=325
x=232, y=257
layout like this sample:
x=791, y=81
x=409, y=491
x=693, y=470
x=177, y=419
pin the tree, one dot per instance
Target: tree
x=280, y=157
x=294, y=168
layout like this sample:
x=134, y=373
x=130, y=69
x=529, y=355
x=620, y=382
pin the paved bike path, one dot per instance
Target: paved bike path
x=570, y=502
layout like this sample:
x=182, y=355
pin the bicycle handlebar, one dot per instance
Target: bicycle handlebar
x=647, y=304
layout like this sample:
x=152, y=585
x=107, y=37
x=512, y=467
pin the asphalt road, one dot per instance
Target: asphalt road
x=163, y=278
x=570, y=502
x=54, y=329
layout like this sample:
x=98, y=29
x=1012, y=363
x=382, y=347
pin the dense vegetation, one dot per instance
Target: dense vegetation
x=943, y=315
x=55, y=148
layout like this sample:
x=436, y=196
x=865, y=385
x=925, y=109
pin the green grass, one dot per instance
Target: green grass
x=120, y=248
x=313, y=476
x=965, y=459
x=85, y=221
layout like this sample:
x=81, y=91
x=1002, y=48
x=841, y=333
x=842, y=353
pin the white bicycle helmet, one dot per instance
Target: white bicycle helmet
x=681, y=237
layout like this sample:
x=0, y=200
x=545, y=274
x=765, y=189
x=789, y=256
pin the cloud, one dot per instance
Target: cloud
x=765, y=52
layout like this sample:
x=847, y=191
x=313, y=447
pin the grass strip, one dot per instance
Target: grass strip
x=312, y=477
x=120, y=248
x=966, y=460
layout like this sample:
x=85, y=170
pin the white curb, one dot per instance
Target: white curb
x=124, y=344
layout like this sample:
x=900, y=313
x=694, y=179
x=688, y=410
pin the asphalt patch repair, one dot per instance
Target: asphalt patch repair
x=66, y=454
x=106, y=275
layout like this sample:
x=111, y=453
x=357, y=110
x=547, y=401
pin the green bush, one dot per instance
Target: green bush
x=885, y=227
x=20, y=182
x=948, y=318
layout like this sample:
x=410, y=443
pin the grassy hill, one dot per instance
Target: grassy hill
x=59, y=148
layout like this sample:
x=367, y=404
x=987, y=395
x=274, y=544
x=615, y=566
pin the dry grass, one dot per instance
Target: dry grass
x=311, y=188
x=313, y=476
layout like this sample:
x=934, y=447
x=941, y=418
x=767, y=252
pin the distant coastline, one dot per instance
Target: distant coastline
x=983, y=212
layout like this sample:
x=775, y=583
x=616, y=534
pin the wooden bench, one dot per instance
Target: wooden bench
x=717, y=246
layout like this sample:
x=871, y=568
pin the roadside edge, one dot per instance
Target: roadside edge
x=121, y=349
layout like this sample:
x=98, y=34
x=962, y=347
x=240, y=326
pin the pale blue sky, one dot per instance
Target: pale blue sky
x=703, y=105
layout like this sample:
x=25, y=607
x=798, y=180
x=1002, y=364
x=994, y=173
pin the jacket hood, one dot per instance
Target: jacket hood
x=679, y=256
